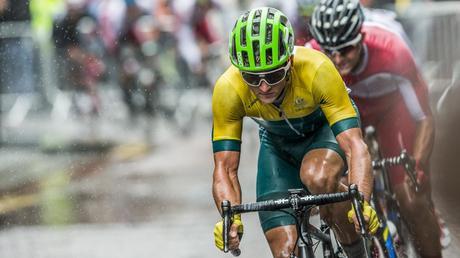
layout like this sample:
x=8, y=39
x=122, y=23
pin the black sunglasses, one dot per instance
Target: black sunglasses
x=271, y=77
x=341, y=51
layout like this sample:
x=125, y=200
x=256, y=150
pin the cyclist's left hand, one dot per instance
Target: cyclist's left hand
x=370, y=217
x=235, y=234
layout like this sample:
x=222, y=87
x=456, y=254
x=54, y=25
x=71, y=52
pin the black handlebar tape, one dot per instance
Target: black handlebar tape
x=268, y=205
x=321, y=199
x=272, y=205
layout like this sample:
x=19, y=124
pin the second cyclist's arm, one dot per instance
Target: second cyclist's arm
x=358, y=160
x=424, y=140
x=415, y=94
x=225, y=184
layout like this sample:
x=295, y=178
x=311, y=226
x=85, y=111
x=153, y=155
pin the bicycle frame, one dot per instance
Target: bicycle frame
x=384, y=199
x=307, y=231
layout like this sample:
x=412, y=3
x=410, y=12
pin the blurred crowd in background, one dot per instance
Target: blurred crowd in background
x=61, y=55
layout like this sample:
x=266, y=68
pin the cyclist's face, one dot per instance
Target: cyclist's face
x=267, y=86
x=347, y=58
x=266, y=93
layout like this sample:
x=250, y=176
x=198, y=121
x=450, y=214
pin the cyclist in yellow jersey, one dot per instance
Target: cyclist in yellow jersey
x=309, y=130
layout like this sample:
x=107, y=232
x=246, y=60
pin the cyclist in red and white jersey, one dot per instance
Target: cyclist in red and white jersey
x=378, y=67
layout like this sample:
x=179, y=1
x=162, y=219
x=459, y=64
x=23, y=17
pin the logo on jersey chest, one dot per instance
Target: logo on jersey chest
x=299, y=104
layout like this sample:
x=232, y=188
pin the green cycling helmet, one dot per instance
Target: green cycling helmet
x=261, y=40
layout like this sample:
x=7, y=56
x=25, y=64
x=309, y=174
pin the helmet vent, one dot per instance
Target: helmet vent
x=243, y=36
x=256, y=29
x=245, y=58
x=268, y=54
x=257, y=15
x=283, y=20
x=256, y=51
x=281, y=44
x=268, y=33
x=234, y=49
x=271, y=14
x=245, y=17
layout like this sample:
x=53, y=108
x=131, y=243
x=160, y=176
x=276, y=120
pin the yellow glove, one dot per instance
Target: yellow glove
x=236, y=230
x=370, y=216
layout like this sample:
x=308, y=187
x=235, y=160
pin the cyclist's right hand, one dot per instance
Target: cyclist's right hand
x=236, y=232
x=370, y=216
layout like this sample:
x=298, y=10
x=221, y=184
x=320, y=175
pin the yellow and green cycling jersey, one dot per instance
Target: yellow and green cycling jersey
x=315, y=95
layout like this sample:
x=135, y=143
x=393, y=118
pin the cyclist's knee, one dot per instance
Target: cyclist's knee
x=320, y=178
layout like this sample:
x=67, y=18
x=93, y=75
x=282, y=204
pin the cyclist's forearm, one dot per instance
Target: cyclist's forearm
x=424, y=140
x=360, y=170
x=226, y=187
x=358, y=159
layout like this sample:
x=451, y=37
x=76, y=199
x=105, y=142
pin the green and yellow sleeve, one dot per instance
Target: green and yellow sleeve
x=228, y=112
x=330, y=92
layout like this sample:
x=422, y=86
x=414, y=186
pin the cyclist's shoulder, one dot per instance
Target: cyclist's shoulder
x=229, y=81
x=382, y=40
x=308, y=56
x=231, y=88
x=308, y=61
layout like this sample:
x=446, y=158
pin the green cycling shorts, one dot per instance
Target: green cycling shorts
x=279, y=165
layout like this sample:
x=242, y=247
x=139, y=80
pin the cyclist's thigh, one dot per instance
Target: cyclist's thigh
x=396, y=131
x=274, y=177
x=324, y=139
x=323, y=158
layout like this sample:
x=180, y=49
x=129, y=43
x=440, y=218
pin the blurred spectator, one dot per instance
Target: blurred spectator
x=200, y=22
x=110, y=17
x=80, y=67
x=136, y=52
x=174, y=21
x=19, y=11
x=16, y=47
x=43, y=13
x=206, y=36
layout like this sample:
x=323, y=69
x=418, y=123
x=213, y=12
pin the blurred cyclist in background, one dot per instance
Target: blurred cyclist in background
x=391, y=95
x=309, y=131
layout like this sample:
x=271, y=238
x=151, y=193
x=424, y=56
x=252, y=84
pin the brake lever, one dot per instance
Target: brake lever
x=356, y=199
x=409, y=166
x=227, y=222
x=225, y=205
x=358, y=208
